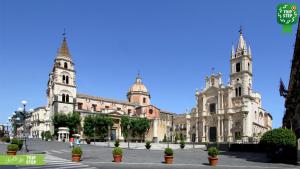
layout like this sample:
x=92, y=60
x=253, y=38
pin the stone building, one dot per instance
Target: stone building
x=63, y=98
x=291, y=117
x=228, y=113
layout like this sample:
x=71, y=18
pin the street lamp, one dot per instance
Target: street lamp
x=108, y=136
x=22, y=112
x=128, y=128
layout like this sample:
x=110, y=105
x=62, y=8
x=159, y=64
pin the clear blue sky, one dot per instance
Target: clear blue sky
x=173, y=43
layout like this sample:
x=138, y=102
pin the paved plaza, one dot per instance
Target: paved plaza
x=58, y=155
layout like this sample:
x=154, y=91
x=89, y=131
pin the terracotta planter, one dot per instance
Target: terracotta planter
x=11, y=153
x=169, y=159
x=117, y=158
x=76, y=157
x=213, y=161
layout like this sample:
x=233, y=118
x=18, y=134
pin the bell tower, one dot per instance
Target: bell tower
x=61, y=90
x=241, y=68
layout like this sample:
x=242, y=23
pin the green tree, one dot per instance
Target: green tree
x=88, y=126
x=71, y=120
x=142, y=127
x=138, y=126
x=102, y=122
x=125, y=120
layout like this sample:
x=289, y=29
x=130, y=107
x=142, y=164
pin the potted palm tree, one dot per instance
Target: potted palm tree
x=168, y=155
x=76, y=154
x=148, y=145
x=117, y=154
x=12, y=149
x=213, y=156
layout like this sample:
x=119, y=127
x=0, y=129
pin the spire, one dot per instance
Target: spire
x=249, y=51
x=64, y=50
x=242, y=43
x=138, y=78
x=232, y=51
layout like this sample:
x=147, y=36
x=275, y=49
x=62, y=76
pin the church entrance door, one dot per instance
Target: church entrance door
x=113, y=135
x=212, y=134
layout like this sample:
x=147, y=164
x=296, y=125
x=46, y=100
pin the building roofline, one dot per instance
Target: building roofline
x=80, y=95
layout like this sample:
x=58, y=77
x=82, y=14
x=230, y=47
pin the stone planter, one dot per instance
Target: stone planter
x=117, y=158
x=169, y=159
x=11, y=153
x=76, y=157
x=213, y=161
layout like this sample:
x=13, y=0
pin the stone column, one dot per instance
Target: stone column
x=155, y=128
x=218, y=130
x=203, y=131
x=219, y=102
x=222, y=130
x=229, y=135
x=203, y=105
x=188, y=134
x=245, y=137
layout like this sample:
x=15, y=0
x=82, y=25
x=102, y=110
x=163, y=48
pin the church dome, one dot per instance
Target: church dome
x=138, y=86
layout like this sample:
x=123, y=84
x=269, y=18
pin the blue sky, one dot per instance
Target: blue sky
x=173, y=43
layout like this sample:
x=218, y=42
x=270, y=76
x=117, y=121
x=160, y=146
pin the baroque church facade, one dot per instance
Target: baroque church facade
x=63, y=98
x=232, y=112
x=227, y=113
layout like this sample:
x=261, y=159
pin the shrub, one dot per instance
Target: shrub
x=117, y=143
x=12, y=147
x=48, y=135
x=213, y=151
x=148, y=145
x=280, y=145
x=17, y=142
x=117, y=151
x=182, y=144
x=168, y=152
x=77, y=150
x=5, y=139
x=278, y=138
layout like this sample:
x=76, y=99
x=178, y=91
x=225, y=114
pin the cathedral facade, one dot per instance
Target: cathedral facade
x=63, y=98
x=232, y=112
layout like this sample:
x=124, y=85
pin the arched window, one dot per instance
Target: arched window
x=150, y=111
x=238, y=67
x=240, y=91
x=144, y=100
x=236, y=92
x=64, y=78
x=67, y=79
x=66, y=65
x=63, y=98
x=67, y=98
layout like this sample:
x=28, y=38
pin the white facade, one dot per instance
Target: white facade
x=232, y=112
x=40, y=121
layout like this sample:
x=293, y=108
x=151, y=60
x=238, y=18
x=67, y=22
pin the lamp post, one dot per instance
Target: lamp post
x=108, y=135
x=128, y=130
x=22, y=121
